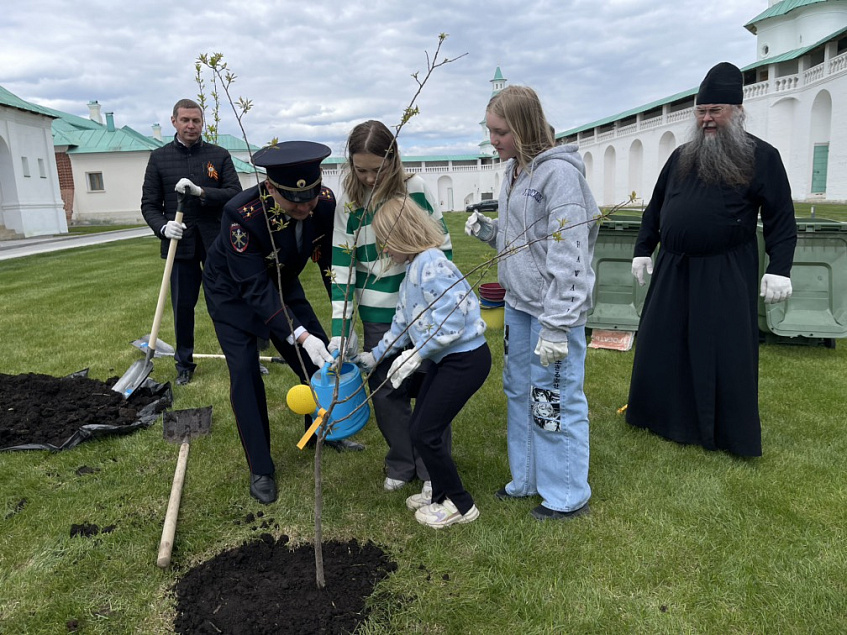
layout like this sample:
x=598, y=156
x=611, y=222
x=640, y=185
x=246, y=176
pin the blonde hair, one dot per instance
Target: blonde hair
x=374, y=137
x=403, y=226
x=521, y=108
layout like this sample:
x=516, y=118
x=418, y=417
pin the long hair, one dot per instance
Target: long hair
x=374, y=137
x=405, y=227
x=521, y=108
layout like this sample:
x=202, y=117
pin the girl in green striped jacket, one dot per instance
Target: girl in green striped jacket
x=365, y=283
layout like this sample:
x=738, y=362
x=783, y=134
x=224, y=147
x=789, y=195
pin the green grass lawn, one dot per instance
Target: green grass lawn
x=79, y=230
x=679, y=540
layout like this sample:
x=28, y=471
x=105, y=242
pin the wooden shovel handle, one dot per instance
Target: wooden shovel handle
x=166, y=544
x=163, y=289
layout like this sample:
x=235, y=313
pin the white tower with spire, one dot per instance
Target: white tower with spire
x=498, y=83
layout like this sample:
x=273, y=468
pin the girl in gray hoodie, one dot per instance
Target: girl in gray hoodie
x=545, y=237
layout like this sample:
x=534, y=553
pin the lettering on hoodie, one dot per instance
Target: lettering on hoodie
x=535, y=194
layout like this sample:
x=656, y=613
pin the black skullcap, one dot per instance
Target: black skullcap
x=723, y=84
x=294, y=168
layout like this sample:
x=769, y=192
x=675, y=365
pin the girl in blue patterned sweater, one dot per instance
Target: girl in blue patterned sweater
x=437, y=318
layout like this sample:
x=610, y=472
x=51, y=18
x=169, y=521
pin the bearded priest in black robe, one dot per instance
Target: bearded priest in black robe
x=695, y=373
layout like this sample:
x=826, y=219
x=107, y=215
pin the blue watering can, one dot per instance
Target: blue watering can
x=352, y=411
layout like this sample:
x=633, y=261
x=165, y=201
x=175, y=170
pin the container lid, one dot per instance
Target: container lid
x=820, y=224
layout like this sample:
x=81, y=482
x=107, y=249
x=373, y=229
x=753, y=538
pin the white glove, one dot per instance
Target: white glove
x=551, y=352
x=641, y=264
x=480, y=226
x=775, y=288
x=352, y=345
x=405, y=364
x=184, y=184
x=366, y=361
x=316, y=351
x=173, y=229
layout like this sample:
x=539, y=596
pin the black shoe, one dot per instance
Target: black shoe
x=503, y=495
x=344, y=445
x=263, y=488
x=543, y=513
x=264, y=370
x=183, y=377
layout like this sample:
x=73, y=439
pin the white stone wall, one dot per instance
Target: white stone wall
x=120, y=200
x=29, y=205
x=791, y=112
x=460, y=186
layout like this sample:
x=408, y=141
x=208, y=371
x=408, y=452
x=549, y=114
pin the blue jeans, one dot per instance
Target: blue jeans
x=547, y=431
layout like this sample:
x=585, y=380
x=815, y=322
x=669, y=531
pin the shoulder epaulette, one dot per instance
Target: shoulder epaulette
x=250, y=209
x=327, y=195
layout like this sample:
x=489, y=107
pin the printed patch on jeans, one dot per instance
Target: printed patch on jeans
x=545, y=408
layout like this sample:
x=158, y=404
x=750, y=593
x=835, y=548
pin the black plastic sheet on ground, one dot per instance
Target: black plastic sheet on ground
x=39, y=412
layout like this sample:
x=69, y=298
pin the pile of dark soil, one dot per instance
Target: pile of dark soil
x=41, y=412
x=260, y=587
x=264, y=587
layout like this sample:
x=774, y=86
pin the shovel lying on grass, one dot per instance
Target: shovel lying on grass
x=140, y=370
x=179, y=426
x=163, y=349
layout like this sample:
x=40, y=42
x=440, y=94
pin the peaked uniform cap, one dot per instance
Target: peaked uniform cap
x=294, y=168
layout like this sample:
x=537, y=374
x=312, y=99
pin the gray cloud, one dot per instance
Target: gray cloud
x=314, y=70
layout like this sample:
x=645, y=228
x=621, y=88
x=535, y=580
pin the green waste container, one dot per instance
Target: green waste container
x=817, y=308
x=618, y=299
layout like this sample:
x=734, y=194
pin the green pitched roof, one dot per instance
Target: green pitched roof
x=13, y=101
x=498, y=76
x=794, y=54
x=790, y=55
x=441, y=157
x=102, y=140
x=246, y=168
x=780, y=8
x=83, y=135
x=629, y=113
x=233, y=143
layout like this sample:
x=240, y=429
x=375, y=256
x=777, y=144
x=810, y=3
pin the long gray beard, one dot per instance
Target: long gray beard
x=726, y=157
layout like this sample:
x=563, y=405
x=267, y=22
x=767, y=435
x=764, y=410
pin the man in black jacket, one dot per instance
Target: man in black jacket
x=187, y=165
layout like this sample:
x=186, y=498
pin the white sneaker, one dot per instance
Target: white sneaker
x=393, y=484
x=438, y=515
x=416, y=501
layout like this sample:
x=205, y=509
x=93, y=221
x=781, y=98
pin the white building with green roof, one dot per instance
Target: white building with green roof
x=58, y=169
x=30, y=198
x=794, y=95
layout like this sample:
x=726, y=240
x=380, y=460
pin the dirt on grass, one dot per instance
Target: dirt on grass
x=261, y=587
x=52, y=413
x=265, y=587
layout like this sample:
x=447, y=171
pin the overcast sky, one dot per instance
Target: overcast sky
x=315, y=69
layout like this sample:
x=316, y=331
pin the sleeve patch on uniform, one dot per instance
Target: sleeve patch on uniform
x=238, y=238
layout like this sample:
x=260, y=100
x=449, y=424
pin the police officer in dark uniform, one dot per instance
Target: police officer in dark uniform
x=289, y=214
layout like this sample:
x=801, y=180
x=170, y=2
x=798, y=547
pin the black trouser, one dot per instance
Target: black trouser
x=446, y=388
x=186, y=278
x=247, y=390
